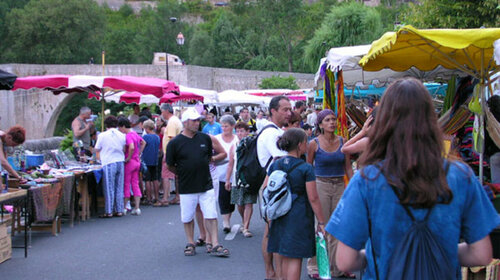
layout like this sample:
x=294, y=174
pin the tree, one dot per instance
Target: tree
x=349, y=24
x=157, y=33
x=454, y=14
x=277, y=82
x=201, y=55
x=268, y=63
x=281, y=17
x=227, y=44
x=54, y=31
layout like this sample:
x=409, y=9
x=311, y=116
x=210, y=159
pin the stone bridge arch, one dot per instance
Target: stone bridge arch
x=36, y=110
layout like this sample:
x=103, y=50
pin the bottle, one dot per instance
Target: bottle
x=5, y=176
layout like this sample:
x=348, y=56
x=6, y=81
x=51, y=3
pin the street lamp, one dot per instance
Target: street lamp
x=180, y=41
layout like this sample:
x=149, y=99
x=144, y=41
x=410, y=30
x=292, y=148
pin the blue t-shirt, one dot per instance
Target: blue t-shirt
x=470, y=215
x=212, y=129
x=150, y=153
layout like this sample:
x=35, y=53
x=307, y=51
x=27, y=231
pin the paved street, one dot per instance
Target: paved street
x=144, y=247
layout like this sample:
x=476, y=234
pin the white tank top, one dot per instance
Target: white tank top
x=221, y=166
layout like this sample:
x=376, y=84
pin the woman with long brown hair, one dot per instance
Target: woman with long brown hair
x=403, y=168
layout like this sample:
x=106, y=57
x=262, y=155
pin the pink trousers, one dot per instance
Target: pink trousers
x=132, y=178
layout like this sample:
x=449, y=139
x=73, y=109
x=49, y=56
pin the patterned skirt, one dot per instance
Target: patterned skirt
x=240, y=197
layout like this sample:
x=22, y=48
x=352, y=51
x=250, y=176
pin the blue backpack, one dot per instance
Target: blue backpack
x=418, y=256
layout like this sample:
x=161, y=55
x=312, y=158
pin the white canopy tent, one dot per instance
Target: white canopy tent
x=347, y=59
x=234, y=97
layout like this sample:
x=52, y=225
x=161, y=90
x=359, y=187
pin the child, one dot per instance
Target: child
x=150, y=158
x=299, y=221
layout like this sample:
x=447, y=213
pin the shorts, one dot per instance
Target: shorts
x=165, y=173
x=151, y=174
x=188, y=203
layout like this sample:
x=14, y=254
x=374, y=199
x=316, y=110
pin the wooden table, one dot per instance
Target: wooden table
x=82, y=187
x=17, y=197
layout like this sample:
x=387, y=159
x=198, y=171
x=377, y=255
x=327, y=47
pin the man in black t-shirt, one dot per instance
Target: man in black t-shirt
x=188, y=156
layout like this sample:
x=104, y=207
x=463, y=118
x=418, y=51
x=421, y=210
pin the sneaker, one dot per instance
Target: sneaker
x=125, y=211
x=128, y=207
x=136, y=212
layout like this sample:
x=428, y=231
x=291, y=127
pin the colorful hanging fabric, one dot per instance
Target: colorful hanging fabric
x=342, y=126
x=329, y=90
x=450, y=94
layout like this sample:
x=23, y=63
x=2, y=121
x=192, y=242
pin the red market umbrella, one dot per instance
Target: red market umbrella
x=97, y=86
x=80, y=83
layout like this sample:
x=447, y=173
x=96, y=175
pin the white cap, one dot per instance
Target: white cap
x=191, y=114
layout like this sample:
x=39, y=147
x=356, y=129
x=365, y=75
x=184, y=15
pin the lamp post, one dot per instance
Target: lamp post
x=180, y=41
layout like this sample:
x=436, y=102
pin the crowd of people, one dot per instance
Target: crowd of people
x=402, y=177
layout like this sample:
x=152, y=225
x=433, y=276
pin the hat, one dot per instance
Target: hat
x=191, y=114
x=167, y=107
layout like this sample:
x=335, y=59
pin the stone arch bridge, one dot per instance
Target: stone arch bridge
x=38, y=110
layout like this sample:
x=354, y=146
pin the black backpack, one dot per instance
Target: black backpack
x=418, y=255
x=249, y=174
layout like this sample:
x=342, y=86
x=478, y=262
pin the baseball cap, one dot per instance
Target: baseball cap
x=191, y=114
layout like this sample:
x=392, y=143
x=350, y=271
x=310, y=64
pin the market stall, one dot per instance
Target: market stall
x=467, y=50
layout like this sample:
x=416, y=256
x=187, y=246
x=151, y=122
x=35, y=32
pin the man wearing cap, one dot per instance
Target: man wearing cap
x=188, y=156
x=174, y=128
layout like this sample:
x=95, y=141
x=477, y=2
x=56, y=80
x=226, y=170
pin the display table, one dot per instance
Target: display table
x=44, y=202
x=18, y=198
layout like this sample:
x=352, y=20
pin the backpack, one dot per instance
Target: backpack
x=277, y=196
x=249, y=174
x=418, y=255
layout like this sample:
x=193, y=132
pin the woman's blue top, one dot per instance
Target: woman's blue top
x=329, y=164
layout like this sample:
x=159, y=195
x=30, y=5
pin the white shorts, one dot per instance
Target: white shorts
x=188, y=203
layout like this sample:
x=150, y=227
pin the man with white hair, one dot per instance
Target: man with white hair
x=82, y=127
x=188, y=156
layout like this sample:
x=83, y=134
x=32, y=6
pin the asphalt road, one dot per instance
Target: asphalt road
x=149, y=246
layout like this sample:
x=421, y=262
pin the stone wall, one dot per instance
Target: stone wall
x=38, y=110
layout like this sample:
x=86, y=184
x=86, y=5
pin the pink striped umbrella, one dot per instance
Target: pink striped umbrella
x=80, y=83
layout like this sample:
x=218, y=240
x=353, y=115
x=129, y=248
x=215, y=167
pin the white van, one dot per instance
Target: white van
x=159, y=59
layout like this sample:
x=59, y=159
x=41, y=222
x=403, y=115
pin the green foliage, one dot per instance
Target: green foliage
x=277, y=82
x=268, y=63
x=454, y=14
x=54, y=31
x=226, y=43
x=67, y=142
x=349, y=24
x=201, y=55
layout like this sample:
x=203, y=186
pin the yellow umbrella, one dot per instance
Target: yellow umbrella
x=468, y=50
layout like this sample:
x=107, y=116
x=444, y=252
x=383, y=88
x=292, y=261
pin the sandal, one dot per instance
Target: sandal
x=200, y=242
x=220, y=251
x=119, y=214
x=190, y=250
x=247, y=233
x=226, y=230
x=209, y=248
x=160, y=203
x=105, y=216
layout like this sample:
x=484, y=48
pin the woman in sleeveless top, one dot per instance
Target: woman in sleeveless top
x=228, y=141
x=330, y=166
